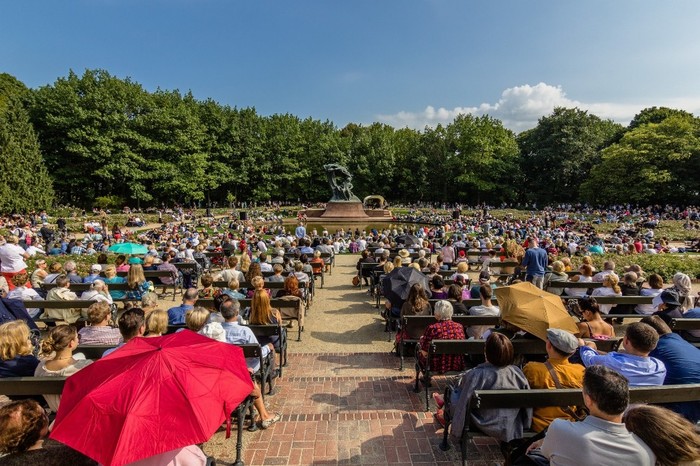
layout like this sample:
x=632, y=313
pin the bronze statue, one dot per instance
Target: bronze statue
x=340, y=180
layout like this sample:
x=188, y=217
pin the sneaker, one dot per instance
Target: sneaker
x=277, y=417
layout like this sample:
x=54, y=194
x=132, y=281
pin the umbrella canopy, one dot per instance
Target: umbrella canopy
x=399, y=281
x=408, y=239
x=128, y=248
x=151, y=396
x=533, y=310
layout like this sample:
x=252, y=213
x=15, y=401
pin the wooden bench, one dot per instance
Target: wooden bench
x=35, y=386
x=476, y=347
x=50, y=322
x=273, y=330
x=536, y=398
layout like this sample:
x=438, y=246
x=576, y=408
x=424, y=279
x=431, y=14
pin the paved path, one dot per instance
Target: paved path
x=342, y=397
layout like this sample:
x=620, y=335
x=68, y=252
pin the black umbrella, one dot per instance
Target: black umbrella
x=397, y=284
x=407, y=239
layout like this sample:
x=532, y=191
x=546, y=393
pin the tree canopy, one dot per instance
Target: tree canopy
x=96, y=135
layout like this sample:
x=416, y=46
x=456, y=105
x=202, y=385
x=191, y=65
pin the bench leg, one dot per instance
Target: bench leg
x=401, y=353
x=240, y=415
x=416, y=388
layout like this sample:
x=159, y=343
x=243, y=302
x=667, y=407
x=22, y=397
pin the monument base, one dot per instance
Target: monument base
x=346, y=211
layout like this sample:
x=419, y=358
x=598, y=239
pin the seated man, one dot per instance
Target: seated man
x=682, y=361
x=132, y=324
x=176, y=315
x=231, y=272
x=70, y=269
x=601, y=438
x=239, y=334
x=633, y=362
x=62, y=293
x=556, y=372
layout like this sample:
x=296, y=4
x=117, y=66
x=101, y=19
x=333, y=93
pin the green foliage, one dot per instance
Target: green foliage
x=109, y=202
x=651, y=162
x=25, y=183
x=558, y=154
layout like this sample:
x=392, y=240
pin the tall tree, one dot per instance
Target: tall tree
x=558, y=154
x=653, y=163
x=25, y=183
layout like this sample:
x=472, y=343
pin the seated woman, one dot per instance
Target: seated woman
x=291, y=287
x=656, y=285
x=57, y=348
x=261, y=313
x=148, y=263
x=417, y=303
x=610, y=288
x=444, y=329
x=673, y=439
x=258, y=283
x=23, y=427
x=462, y=268
x=156, y=323
x=497, y=373
x=25, y=293
x=233, y=290
x=98, y=292
x=630, y=286
x=110, y=272
x=16, y=350
x=207, y=291
x=98, y=330
x=121, y=263
x=585, y=276
x=556, y=275
x=138, y=285
x=437, y=287
x=253, y=271
x=454, y=295
x=198, y=320
x=486, y=308
x=593, y=325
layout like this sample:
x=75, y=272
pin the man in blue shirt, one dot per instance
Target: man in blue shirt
x=634, y=363
x=535, y=263
x=176, y=315
x=682, y=361
x=300, y=232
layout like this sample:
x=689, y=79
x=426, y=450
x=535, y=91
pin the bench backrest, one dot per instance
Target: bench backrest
x=685, y=324
x=416, y=325
x=503, y=399
x=80, y=304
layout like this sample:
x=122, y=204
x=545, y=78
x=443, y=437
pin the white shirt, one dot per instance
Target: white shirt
x=12, y=257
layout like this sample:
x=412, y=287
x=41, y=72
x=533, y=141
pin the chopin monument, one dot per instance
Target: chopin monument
x=344, y=206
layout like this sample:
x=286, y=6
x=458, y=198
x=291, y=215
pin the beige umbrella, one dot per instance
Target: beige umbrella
x=533, y=310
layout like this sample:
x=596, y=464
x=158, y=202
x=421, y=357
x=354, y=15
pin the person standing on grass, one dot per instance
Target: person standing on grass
x=535, y=263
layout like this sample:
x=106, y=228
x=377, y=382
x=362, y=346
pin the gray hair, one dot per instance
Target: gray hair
x=97, y=284
x=230, y=309
x=69, y=266
x=443, y=310
x=149, y=300
x=682, y=283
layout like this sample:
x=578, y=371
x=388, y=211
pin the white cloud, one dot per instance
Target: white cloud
x=520, y=107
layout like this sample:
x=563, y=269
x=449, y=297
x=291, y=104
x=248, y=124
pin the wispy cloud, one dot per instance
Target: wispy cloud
x=520, y=107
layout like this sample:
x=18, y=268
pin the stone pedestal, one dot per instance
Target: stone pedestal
x=344, y=210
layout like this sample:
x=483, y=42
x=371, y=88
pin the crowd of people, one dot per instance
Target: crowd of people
x=541, y=245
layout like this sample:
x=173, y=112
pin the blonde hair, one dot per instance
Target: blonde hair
x=614, y=281
x=258, y=282
x=196, y=318
x=671, y=437
x=462, y=267
x=245, y=263
x=260, y=309
x=157, y=322
x=97, y=312
x=558, y=266
x=14, y=340
x=58, y=339
x=20, y=279
x=110, y=271
x=388, y=267
x=148, y=260
x=149, y=300
x=135, y=276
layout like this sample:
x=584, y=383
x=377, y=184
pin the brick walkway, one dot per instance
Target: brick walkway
x=345, y=408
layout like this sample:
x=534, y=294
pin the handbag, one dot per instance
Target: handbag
x=355, y=281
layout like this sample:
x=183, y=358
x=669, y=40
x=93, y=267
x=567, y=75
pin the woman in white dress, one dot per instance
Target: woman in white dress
x=610, y=287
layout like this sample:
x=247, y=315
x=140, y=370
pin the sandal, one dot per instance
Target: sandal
x=440, y=417
x=268, y=422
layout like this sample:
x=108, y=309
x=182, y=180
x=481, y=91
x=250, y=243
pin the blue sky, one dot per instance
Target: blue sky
x=406, y=63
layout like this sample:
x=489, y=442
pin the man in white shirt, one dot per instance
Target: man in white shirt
x=608, y=268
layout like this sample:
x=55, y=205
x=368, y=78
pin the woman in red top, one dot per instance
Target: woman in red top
x=444, y=329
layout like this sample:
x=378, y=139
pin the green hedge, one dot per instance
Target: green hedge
x=665, y=265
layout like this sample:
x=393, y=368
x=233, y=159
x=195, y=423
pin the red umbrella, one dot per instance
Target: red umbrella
x=151, y=396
